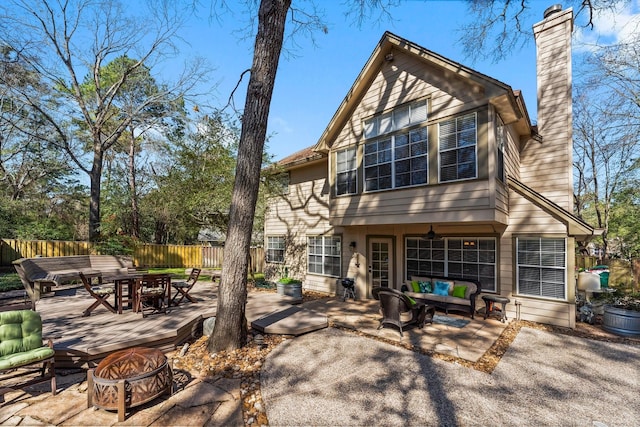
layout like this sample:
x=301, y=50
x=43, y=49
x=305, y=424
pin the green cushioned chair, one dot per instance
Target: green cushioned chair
x=21, y=345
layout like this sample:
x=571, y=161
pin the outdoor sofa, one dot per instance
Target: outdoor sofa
x=445, y=293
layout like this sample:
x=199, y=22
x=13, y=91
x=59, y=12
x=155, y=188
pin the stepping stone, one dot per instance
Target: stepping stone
x=291, y=321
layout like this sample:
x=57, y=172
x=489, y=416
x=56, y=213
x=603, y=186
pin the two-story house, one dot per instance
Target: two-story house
x=430, y=167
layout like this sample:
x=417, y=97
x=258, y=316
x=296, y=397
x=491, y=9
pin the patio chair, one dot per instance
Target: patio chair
x=21, y=346
x=150, y=294
x=183, y=288
x=398, y=310
x=99, y=293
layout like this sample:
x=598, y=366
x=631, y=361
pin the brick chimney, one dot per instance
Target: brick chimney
x=549, y=164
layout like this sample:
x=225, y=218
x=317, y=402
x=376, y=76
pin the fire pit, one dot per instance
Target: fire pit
x=128, y=378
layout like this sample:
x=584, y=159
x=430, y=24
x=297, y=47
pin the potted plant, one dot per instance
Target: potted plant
x=621, y=313
x=289, y=286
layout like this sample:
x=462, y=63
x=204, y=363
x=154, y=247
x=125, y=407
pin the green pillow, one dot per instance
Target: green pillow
x=415, y=286
x=459, y=291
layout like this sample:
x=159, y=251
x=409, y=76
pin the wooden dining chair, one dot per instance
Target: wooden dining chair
x=151, y=291
x=183, y=288
x=99, y=293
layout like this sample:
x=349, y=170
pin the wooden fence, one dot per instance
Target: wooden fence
x=145, y=255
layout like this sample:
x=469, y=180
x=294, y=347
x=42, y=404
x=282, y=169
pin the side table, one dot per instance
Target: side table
x=490, y=302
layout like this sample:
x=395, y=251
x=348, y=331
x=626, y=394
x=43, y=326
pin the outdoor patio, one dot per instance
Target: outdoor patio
x=83, y=341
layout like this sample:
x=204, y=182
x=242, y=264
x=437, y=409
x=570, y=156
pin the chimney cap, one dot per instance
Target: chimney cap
x=551, y=10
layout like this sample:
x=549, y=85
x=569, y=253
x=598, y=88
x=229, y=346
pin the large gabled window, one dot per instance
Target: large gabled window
x=457, y=148
x=346, y=171
x=395, y=157
x=541, y=265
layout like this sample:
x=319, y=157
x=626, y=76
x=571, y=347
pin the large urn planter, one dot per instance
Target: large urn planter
x=621, y=321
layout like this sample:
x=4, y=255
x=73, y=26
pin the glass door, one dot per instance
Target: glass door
x=380, y=262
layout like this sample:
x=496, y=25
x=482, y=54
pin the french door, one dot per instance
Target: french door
x=380, y=258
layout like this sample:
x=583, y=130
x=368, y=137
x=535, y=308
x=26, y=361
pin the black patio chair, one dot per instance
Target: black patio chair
x=398, y=310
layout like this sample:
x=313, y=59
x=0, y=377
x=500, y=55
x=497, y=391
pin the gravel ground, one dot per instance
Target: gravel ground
x=543, y=379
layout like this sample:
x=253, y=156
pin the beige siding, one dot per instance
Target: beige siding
x=547, y=166
x=525, y=219
x=406, y=79
x=464, y=200
x=304, y=211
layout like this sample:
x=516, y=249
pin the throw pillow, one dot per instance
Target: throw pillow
x=425, y=287
x=459, y=291
x=442, y=288
x=415, y=286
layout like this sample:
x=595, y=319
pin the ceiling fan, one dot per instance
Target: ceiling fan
x=431, y=235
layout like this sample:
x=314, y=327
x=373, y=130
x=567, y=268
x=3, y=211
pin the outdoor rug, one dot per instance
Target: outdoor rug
x=450, y=321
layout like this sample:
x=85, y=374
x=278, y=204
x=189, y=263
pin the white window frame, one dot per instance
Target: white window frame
x=395, y=152
x=457, y=132
x=330, y=249
x=350, y=154
x=547, y=262
x=381, y=124
x=434, y=257
x=275, y=244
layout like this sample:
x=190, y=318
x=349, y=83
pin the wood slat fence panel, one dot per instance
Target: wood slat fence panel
x=145, y=255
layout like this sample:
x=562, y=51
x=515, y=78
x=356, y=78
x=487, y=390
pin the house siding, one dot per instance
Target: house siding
x=484, y=207
x=303, y=212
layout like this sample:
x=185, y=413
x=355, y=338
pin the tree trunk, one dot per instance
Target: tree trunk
x=135, y=216
x=230, y=331
x=94, y=203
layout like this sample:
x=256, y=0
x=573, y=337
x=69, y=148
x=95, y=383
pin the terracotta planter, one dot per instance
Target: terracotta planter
x=621, y=321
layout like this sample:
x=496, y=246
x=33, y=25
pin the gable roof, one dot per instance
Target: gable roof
x=576, y=227
x=509, y=104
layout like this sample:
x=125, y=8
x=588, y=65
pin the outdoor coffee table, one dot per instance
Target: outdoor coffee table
x=426, y=313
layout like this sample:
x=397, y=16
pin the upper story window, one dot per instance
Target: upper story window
x=458, y=142
x=346, y=171
x=399, y=159
x=400, y=118
x=501, y=142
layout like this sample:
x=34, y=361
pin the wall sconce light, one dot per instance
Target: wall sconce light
x=352, y=246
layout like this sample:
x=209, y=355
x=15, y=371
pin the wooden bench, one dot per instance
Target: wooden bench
x=39, y=274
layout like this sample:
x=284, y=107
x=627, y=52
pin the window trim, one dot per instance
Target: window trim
x=268, y=249
x=475, y=146
x=540, y=267
x=324, y=255
x=355, y=170
x=392, y=138
x=446, y=260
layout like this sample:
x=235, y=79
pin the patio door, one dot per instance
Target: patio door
x=380, y=258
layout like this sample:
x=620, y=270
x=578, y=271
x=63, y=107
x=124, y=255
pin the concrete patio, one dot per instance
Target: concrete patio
x=217, y=400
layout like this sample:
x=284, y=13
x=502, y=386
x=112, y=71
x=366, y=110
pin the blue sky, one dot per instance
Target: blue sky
x=311, y=85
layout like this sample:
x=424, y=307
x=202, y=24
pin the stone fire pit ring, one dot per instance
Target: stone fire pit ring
x=129, y=378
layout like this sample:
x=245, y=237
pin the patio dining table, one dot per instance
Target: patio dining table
x=131, y=282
